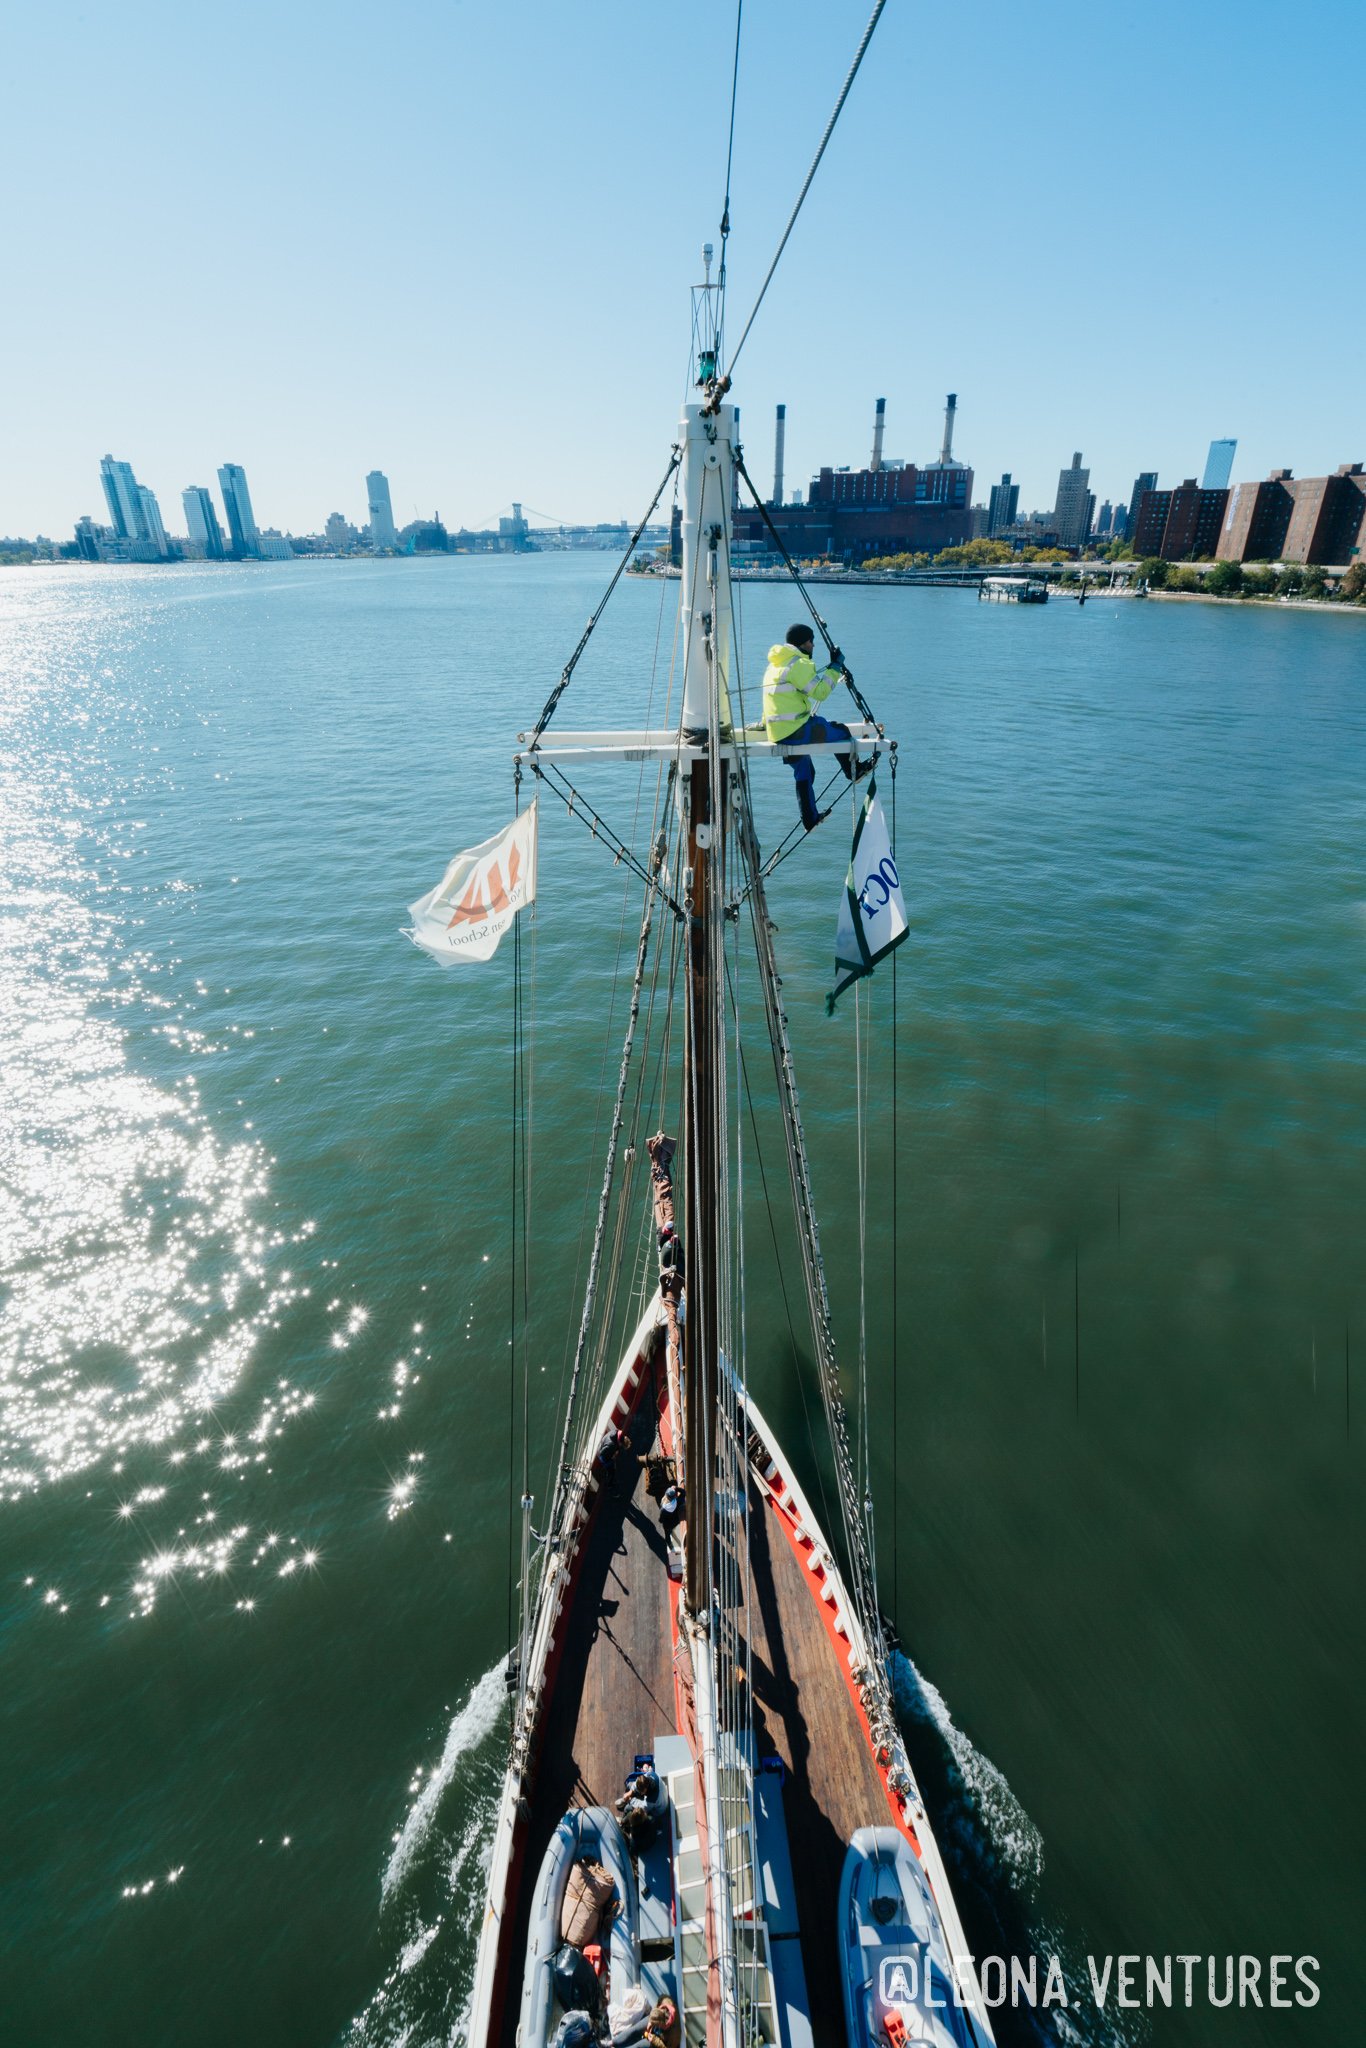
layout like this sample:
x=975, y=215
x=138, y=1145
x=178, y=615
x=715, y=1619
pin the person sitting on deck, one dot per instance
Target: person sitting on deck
x=639, y=1809
x=793, y=687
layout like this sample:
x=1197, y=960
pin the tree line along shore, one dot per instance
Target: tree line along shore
x=1309, y=583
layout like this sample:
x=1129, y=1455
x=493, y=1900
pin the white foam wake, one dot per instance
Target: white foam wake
x=1014, y=1837
x=474, y=1723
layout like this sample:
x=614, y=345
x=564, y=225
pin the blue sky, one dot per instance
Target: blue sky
x=454, y=241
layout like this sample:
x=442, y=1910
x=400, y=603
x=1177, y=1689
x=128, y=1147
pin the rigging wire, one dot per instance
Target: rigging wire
x=609, y=1173
x=806, y=596
x=866, y=38
x=675, y=457
x=730, y=158
x=578, y=806
x=818, y=1301
x=792, y=842
x=782, y=1283
x=607, y=1038
x=512, y=1272
x=896, y=1262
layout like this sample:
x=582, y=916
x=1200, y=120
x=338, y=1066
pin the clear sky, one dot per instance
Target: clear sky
x=454, y=240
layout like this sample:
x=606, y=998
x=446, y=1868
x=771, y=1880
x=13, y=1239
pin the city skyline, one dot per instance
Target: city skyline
x=137, y=533
x=1073, y=511
x=470, y=318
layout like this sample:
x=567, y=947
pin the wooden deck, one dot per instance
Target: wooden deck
x=614, y=1692
x=614, y=1689
x=805, y=1712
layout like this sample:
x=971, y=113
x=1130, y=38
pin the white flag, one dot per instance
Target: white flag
x=482, y=890
x=872, y=917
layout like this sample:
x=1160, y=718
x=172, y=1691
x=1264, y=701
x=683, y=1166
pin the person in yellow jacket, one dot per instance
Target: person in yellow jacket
x=793, y=687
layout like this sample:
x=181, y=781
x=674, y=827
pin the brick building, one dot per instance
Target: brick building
x=1257, y=520
x=1183, y=525
x=1326, y=522
x=1315, y=519
x=1151, y=507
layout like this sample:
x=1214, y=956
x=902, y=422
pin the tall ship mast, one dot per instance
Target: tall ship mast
x=709, y=1830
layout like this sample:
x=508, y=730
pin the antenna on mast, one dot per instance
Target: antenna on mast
x=706, y=321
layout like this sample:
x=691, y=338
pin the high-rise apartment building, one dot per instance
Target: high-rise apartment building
x=1328, y=518
x=1103, y=519
x=1183, y=525
x=88, y=538
x=1146, y=480
x=1194, y=522
x=1309, y=519
x=382, y=532
x=1075, y=505
x=134, y=513
x=1218, y=466
x=153, y=530
x=1256, y=520
x=201, y=522
x=121, y=496
x=1003, y=506
x=1149, y=522
x=242, y=528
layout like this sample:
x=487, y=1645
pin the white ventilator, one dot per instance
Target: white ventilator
x=466, y=914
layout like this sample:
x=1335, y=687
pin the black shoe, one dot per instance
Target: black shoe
x=863, y=768
x=819, y=819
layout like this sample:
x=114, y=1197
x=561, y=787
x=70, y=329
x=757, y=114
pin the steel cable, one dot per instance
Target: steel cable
x=866, y=38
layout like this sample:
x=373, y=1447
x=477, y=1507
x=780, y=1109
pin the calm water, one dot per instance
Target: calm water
x=254, y=1278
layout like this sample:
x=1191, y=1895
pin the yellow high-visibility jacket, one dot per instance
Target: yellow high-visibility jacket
x=793, y=687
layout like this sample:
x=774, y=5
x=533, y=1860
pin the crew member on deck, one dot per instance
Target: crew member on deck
x=793, y=687
x=613, y=1443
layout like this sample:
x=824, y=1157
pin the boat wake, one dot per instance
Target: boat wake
x=474, y=1723
x=985, y=1803
x=995, y=1856
x=432, y=1890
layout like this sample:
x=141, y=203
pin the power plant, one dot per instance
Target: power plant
x=891, y=507
x=950, y=409
x=779, y=436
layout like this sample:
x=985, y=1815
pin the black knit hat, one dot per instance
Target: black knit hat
x=800, y=632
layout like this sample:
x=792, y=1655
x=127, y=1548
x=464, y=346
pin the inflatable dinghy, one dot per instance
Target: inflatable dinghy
x=585, y=1832
x=898, y=1978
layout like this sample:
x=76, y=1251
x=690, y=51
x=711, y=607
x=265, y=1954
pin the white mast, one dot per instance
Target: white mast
x=707, y=443
x=706, y=436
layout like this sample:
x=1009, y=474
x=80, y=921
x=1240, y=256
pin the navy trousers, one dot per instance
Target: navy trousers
x=804, y=768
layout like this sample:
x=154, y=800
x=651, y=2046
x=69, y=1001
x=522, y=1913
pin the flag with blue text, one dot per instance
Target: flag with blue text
x=872, y=916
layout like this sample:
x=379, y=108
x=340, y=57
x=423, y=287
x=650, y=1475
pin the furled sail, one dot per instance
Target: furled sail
x=872, y=914
x=466, y=914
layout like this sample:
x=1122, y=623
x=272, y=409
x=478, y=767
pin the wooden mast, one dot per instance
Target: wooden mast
x=706, y=492
x=702, y=1145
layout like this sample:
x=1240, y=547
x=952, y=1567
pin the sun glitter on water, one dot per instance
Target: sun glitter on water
x=138, y=1270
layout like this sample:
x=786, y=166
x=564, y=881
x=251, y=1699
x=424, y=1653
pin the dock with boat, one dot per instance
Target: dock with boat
x=1012, y=590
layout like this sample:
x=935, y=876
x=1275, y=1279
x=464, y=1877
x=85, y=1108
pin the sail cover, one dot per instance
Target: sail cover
x=872, y=917
x=466, y=914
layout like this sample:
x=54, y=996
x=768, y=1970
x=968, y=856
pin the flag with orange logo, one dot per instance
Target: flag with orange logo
x=466, y=914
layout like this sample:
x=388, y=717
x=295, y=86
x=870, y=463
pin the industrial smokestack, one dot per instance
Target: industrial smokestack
x=879, y=422
x=779, y=436
x=946, y=452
